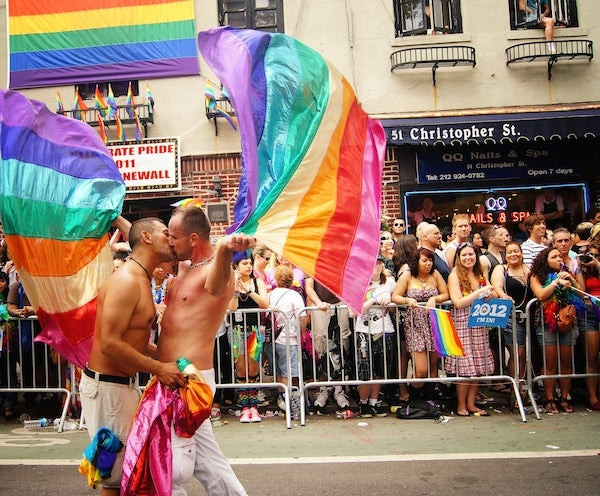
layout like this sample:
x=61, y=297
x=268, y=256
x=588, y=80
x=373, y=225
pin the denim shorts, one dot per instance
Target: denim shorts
x=547, y=338
x=589, y=322
x=281, y=360
x=521, y=332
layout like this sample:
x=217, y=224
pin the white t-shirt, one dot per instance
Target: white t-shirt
x=288, y=302
x=376, y=319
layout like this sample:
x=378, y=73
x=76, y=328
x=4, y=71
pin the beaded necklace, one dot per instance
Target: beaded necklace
x=159, y=294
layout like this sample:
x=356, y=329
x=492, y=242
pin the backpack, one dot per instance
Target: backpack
x=419, y=409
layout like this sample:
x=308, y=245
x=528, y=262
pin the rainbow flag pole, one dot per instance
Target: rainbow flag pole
x=445, y=338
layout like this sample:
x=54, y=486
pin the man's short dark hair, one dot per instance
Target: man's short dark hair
x=194, y=220
x=145, y=224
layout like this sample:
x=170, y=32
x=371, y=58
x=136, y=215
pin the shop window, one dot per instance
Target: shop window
x=263, y=15
x=414, y=17
x=120, y=88
x=526, y=14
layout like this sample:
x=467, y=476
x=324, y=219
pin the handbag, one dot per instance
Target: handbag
x=565, y=318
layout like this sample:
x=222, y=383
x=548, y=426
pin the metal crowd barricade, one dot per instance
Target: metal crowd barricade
x=338, y=362
x=265, y=322
x=27, y=366
x=539, y=373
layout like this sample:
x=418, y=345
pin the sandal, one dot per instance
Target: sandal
x=550, y=406
x=479, y=413
x=463, y=413
x=565, y=406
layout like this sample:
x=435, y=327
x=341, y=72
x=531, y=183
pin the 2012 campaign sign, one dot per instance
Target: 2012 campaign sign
x=491, y=313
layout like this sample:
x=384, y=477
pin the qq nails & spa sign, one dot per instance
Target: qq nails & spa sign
x=149, y=164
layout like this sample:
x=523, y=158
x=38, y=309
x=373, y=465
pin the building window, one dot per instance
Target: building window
x=414, y=17
x=526, y=14
x=87, y=90
x=263, y=15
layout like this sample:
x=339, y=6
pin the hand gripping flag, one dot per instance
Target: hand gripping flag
x=60, y=190
x=312, y=158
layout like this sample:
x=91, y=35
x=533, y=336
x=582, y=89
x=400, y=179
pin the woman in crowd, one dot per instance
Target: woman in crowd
x=511, y=282
x=590, y=267
x=551, y=284
x=420, y=285
x=262, y=257
x=286, y=302
x=386, y=251
x=374, y=341
x=246, y=342
x=467, y=283
x=8, y=356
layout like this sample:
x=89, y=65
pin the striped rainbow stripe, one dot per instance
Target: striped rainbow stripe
x=61, y=42
x=311, y=185
x=445, y=337
x=59, y=192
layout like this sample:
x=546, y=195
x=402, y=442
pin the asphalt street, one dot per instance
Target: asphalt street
x=498, y=455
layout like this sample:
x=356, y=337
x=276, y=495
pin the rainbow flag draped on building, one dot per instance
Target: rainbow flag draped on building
x=312, y=158
x=445, y=338
x=60, y=191
x=63, y=42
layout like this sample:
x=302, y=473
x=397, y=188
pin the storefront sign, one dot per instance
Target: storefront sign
x=149, y=164
x=494, y=128
x=491, y=313
x=531, y=161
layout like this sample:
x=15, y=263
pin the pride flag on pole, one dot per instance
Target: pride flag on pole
x=445, y=338
x=130, y=102
x=79, y=106
x=99, y=102
x=120, y=131
x=312, y=158
x=112, y=103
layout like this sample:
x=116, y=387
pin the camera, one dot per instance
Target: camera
x=586, y=258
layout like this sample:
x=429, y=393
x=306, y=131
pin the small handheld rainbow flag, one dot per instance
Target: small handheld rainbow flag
x=254, y=344
x=445, y=338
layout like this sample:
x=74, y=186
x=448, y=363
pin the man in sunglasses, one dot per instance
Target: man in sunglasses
x=398, y=229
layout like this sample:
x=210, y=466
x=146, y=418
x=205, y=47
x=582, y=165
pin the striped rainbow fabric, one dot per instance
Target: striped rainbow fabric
x=312, y=158
x=62, y=42
x=445, y=337
x=59, y=193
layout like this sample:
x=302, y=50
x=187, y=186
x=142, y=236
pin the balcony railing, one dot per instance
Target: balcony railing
x=550, y=51
x=90, y=116
x=220, y=108
x=434, y=57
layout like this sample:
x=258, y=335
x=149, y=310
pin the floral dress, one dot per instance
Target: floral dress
x=417, y=326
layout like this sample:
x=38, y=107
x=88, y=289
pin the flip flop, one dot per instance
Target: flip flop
x=595, y=406
x=480, y=413
x=465, y=413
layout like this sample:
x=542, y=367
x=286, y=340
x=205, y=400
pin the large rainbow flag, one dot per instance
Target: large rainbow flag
x=62, y=42
x=60, y=190
x=312, y=158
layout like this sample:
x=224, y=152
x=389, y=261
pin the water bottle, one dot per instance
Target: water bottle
x=346, y=414
x=33, y=424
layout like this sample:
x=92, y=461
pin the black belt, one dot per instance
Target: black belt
x=116, y=379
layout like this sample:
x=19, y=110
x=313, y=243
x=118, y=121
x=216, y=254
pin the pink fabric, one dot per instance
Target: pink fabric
x=147, y=467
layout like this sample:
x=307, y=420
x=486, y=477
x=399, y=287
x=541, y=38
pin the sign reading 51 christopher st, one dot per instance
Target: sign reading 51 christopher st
x=152, y=164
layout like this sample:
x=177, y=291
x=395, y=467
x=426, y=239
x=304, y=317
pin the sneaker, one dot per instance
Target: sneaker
x=215, y=415
x=254, y=415
x=245, y=416
x=295, y=405
x=364, y=410
x=262, y=398
x=341, y=398
x=378, y=410
x=281, y=401
x=322, y=397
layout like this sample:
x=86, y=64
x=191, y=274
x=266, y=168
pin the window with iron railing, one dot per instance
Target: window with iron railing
x=526, y=14
x=415, y=17
x=263, y=15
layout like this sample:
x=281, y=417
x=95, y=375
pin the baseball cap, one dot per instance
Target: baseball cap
x=595, y=230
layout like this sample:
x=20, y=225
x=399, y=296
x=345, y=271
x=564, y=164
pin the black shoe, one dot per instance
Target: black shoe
x=378, y=410
x=364, y=410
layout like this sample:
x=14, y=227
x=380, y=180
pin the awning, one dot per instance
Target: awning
x=494, y=128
